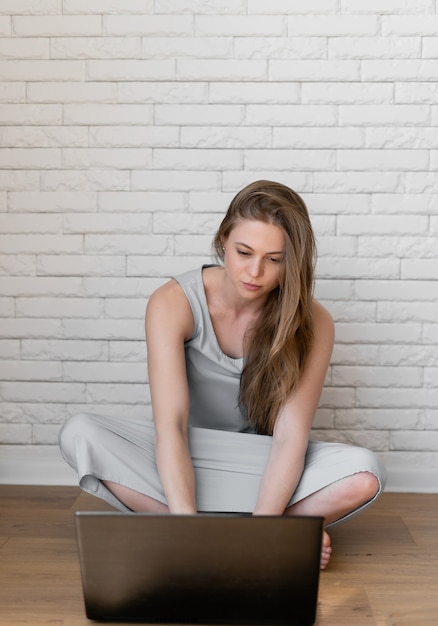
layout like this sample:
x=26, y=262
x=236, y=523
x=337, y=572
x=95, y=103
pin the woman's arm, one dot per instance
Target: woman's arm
x=169, y=322
x=291, y=433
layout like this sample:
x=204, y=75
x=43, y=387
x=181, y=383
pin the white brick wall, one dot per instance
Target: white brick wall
x=126, y=126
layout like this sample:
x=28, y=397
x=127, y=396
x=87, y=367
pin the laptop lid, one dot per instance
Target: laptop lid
x=207, y=568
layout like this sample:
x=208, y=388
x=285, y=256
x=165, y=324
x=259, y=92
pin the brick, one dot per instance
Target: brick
x=412, y=398
x=387, y=6
x=14, y=328
x=225, y=137
x=29, y=114
x=352, y=354
x=290, y=159
x=412, y=440
x=197, y=115
x=332, y=203
x=409, y=25
x=197, y=159
x=280, y=47
x=397, y=137
x=293, y=115
x=132, y=69
x=36, y=244
x=347, y=93
x=85, y=180
x=72, y=92
x=299, y=181
x=141, y=201
x=9, y=348
x=120, y=287
x=51, y=202
x=7, y=309
x=102, y=329
x=107, y=114
x=254, y=92
x=40, y=286
x=128, y=351
x=74, y=265
x=165, y=92
x=185, y=224
x=134, y=244
x=373, y=376
x=43, y=136
x=422, y=93
x=44, y=7
x=190, y=47
x=222, y=69
x=104, y=372
x=239, y=25
x=148, y=25
x=397, y=247
x=292, y=6
x=64, y=350
x=396, y=290
x=192, y=245
x=54, y=307
x=164, y=266
x=410, y=311
x=18, y=265
x=30, y=158
x=5, y=26
x=160, y=180
x=15, y=433
x=128, y=308
x=30, y=371
x=30, y=223
x=378, y=333
x=107, y=223
x=107, y=6
x=24, y=48
x=60, y=25
x=102, y=158
x=421, y=182
x=421, y=269
x=43, y=392
x=95, y=47
x=41, y=70
x=332, y=25
x=319, y=70
x=118, y=393
x=382, y=160
x=212, y=202
x=347, y=47
x=134, y=136
x=12, y=93
x=344, y=311
x=362, y=268
x=353, y=182
x=399, y=70
x=409, y=355
x=383, y=115
x=381, y=224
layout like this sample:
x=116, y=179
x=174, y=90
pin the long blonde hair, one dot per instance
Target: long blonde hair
x=278, y=344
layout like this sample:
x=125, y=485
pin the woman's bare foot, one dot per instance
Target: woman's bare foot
x=326, y=550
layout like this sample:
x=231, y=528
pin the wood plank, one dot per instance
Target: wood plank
x=383, y=570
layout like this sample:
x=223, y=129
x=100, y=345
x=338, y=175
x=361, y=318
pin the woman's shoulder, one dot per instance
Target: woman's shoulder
x=323, y=320
x=168, y=306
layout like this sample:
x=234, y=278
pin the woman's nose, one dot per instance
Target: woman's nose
x=256, y=267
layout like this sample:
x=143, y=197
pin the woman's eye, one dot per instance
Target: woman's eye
x=275, y=259
x=242, y=252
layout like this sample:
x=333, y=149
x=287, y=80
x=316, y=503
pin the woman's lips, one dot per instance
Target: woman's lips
x=250, y=286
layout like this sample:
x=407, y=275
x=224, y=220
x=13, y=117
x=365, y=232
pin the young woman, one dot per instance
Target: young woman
x=237, y=357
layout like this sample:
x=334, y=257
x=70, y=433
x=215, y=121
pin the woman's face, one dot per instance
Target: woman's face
x=254, y=257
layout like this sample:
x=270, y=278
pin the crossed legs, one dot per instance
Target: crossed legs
x=332, y=502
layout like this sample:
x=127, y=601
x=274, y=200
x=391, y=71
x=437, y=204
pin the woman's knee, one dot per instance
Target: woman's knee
x=362, y=487
x=76, y=427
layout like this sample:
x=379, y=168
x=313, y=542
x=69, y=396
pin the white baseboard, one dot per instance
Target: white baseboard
x=43, y=465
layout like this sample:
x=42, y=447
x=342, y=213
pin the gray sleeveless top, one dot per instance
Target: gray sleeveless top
x=213, y=377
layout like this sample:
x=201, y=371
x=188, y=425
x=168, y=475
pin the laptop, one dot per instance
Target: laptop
x=199, y=569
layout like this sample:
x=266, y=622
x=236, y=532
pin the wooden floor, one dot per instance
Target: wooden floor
x=384, y=569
